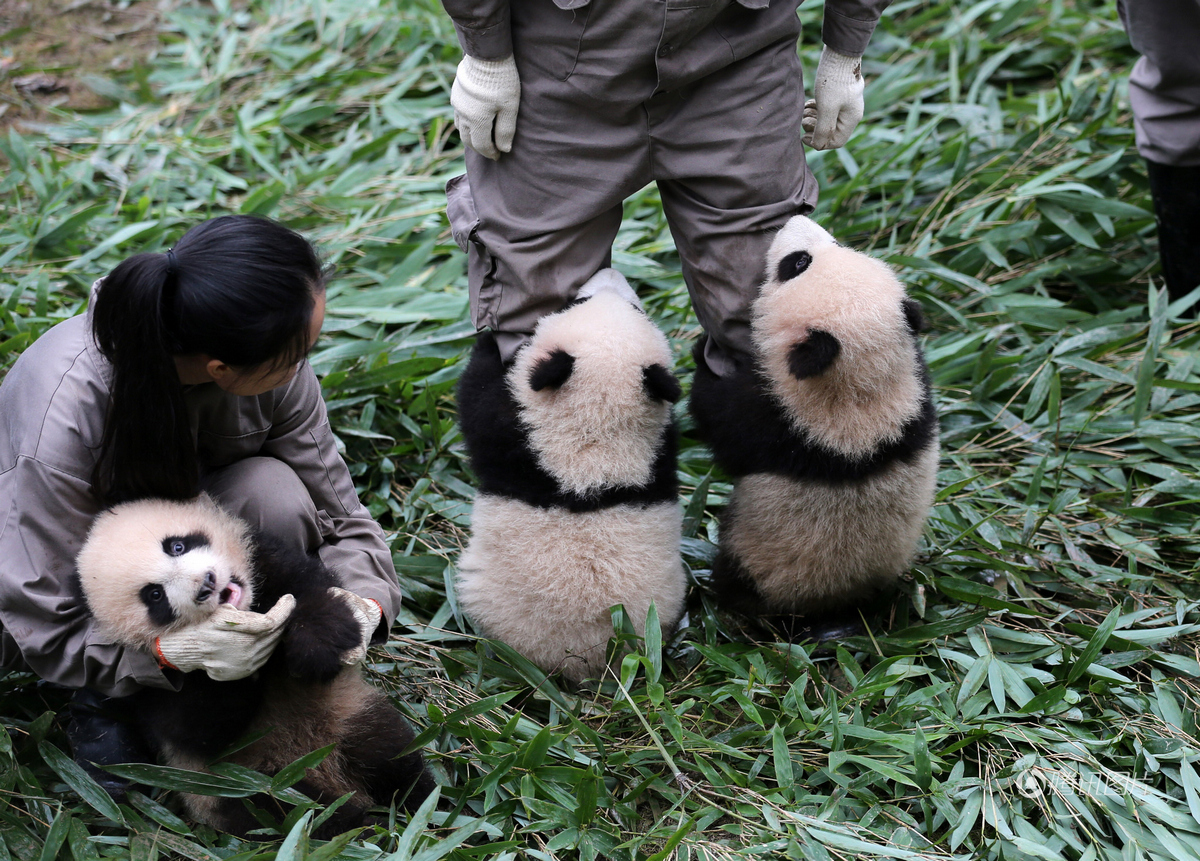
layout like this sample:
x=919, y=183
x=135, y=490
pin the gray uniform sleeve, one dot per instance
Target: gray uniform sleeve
x=354, y=545
x=45, y=517
x=482, y=27
x=848, y=24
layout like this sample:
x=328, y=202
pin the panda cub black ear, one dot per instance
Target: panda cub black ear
x=914, y=316
x=552, y=371
x=660, y=384
x=793, y=265
x=813, y=355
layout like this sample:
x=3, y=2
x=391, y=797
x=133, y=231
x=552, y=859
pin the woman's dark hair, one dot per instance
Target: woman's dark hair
x=238, y=288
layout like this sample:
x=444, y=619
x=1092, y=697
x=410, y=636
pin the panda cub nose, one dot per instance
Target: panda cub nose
x=206, y=590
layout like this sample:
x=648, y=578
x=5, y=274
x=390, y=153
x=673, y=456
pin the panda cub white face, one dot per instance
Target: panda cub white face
x=836, y=339
x=154, y=566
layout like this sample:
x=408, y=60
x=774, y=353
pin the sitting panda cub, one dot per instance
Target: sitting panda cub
x=832, y=437
x=574, y=446
x=153, y=567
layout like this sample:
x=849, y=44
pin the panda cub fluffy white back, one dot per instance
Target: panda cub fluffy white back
x=832, y=437
x=153, y=566
x=577, y=510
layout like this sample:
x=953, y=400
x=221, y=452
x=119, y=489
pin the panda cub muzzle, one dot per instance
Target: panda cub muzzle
x=195, y=581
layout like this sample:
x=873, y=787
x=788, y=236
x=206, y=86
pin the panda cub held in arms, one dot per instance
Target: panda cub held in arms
x=153, y=567
x=832, y=439
x=574, y=447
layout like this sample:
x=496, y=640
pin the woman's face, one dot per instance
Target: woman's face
x=252, y=381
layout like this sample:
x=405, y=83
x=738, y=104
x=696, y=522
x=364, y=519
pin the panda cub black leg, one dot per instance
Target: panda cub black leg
x=376, y=748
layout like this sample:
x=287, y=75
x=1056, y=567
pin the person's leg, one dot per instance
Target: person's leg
x=540, y=221
x=1164, y=91
x=730, y=167
x=268, y=495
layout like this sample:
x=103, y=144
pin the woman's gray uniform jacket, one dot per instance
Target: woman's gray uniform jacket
x=53, y=405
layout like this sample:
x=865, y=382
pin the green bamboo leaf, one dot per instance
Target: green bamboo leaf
x=533, y=754
x=182, y=848
x=406, y=846
x=80, y=781
x=452, y=841
x=49, y=237
x=922, y=767
x=295, y=771
x=1067, y=223
x=182, y=780
x=82, y=849
x=674, y=840
x=60, y=829
x=1092, y=650
x=1148, y=364
x=122, y=235
x=652, y=644
x=783, y=762
x=295, y=845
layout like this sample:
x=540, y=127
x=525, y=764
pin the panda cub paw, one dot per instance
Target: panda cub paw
x=320, y=631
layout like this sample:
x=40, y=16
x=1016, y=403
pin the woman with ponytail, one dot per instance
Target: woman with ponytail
x=187, y=374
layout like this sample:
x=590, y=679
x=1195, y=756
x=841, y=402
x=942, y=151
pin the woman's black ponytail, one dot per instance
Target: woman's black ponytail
x=237, y=288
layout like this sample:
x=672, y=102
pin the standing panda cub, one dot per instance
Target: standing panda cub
x=832, y=439
x=154, y=567
x=574, y=448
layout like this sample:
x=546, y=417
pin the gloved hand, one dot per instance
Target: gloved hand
x=485, y=96
x=367, y=613
x=232, y=644
x=831, y=116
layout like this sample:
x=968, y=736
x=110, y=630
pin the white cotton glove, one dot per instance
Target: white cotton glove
x=485, y=96
x=230, y=645
x=831, y=116
x=367, y=613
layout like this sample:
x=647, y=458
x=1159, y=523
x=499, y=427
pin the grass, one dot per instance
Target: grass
x=1035, y=695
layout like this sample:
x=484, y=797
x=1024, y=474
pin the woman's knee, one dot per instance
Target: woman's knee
x=269, y=495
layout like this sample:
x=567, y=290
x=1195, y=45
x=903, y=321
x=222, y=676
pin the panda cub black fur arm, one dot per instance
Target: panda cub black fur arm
x=749, y=433
x=321, y=628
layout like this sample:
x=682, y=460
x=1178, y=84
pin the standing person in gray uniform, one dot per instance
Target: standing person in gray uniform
x=568, y=107
x=187, y=373
x=1164, y=91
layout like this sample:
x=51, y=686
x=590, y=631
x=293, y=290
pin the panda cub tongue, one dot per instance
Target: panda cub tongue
x=231, y=594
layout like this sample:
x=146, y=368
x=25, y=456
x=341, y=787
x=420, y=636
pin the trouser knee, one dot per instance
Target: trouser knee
x=267, y=494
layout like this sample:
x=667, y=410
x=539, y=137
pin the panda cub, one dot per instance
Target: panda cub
x=574, y=447
x=832, y=439
x=154, y=567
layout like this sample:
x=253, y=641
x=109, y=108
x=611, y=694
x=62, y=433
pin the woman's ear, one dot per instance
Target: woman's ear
x=218, y=370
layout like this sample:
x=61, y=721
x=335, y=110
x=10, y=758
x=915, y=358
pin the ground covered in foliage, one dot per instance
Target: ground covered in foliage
x=1035, y=694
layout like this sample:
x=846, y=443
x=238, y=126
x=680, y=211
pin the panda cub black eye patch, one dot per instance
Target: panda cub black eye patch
x=177, y=545
x=158, y=606
x=793, y=264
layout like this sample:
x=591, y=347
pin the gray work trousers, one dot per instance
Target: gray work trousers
x=268, y=495
x=603, y=113
x=1164, y=86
